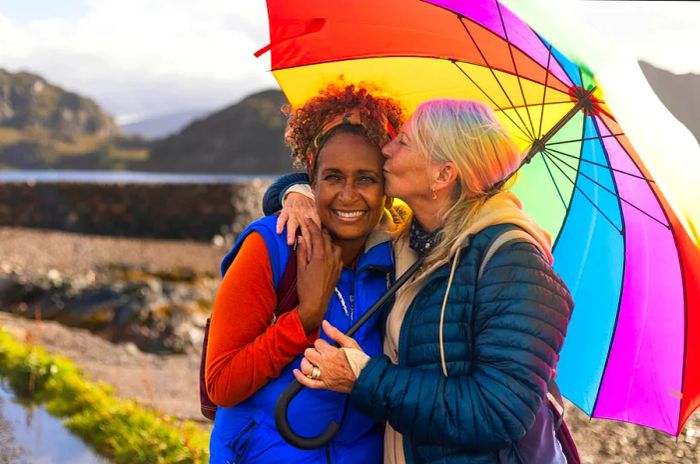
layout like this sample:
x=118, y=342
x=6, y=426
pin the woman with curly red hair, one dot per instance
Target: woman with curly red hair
x=252, y=349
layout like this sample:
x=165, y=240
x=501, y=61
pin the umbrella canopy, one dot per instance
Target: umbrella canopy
x=628, y=254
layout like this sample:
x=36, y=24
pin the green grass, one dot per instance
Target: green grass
x=119, y=429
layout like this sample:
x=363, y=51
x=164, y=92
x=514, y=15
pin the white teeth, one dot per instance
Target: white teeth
x=349, y=214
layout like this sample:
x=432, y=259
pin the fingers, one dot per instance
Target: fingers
x=313, y=215
x=281, y=221
x=316, y=238
x=292, y=227
x=302, y=252
x=305, y=233
x=322, y=346
x=327, y=243
x=312, y=356
x=307, y=382
x=337, y=336
x=306, y=366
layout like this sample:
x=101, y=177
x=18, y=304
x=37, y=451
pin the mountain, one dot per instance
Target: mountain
x=245, y=138
x=28, y=101
x=163, y=125
x=43, y=126
x=680, y=93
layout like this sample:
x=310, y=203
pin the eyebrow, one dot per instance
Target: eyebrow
x=359, y=171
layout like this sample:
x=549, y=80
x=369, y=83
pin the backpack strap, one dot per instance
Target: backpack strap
x=510, y=235
x=287, y=297
x=500, y=240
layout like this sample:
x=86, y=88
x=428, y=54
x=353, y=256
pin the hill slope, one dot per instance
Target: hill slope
x=44, y=126
x=243, y=138
x=161, y=126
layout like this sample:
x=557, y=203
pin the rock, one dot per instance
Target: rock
x=157, y=312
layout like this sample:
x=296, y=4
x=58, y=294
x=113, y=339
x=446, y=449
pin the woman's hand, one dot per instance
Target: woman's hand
x=335, y=371
x=295, y=209
x=317, y=276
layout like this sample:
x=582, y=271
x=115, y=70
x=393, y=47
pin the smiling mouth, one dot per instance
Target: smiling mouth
x=349, y=215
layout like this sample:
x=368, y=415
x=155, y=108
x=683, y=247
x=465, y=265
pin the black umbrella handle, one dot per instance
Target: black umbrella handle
x=281, y=419
x=285, y=429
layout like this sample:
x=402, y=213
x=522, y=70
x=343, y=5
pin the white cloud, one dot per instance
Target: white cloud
x=663, y=33
x=147, y=56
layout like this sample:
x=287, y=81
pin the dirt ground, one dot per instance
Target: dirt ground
x=170, y=383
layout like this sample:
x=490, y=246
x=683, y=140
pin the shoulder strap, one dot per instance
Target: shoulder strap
x=503, y=238
x=287, y=297
x=553, y=395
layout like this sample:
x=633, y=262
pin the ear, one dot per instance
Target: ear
x=445, y=176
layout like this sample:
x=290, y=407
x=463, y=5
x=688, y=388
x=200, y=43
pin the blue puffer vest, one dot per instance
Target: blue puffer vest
x=246, y=433
x=502, y=336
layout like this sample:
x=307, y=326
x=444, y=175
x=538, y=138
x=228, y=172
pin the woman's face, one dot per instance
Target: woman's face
x=405, y=168
x=349, y=186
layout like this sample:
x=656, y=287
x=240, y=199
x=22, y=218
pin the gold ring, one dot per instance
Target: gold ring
x=315, y=373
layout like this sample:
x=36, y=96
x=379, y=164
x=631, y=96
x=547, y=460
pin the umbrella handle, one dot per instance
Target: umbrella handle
x=281, y=420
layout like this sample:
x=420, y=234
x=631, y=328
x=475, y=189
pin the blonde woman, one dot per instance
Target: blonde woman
x=472, y=341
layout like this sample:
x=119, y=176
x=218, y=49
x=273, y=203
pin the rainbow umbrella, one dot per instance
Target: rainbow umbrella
x=621, y=243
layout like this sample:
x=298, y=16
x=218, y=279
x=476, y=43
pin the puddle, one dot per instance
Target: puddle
x=36, y=437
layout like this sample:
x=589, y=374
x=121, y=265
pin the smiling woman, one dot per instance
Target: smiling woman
x=337, y=137
x=349, y=187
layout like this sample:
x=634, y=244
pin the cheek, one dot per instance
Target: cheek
x=324, y=196
x=375, y=197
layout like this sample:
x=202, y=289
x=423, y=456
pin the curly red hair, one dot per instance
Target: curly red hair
x=305, y=122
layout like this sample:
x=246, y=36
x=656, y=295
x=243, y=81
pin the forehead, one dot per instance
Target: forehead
x=407, y=127
x=348, y=151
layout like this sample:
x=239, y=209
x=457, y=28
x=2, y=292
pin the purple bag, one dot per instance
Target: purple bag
x=549, y=440
x=287, y=299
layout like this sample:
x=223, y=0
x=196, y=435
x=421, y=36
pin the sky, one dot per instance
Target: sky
x=142, y=58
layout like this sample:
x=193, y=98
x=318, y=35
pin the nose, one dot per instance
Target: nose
x=348, y=194
x=388, y=148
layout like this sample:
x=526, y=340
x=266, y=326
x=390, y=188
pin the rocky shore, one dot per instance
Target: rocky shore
x=144, y=292
x=169, y=382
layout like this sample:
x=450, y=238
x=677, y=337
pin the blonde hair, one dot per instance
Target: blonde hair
x=468, y=134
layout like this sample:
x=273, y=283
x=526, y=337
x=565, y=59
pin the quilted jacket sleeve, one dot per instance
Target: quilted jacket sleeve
x=272, y=199
x=522, y=310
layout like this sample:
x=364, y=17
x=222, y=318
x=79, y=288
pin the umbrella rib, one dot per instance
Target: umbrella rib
x=544, y=152
x=552, y=150
x=515, y=66
x=568, y=102
x=554, y=181
x=544, y=93
x=585, y=138
x=483, y=57
x=556, y=60
x=607, y=189
x=498, y=108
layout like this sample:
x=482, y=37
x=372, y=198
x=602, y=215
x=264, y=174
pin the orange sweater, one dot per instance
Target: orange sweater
x=244, y=351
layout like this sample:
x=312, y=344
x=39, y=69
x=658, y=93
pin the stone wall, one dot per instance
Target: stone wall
x=173, y=211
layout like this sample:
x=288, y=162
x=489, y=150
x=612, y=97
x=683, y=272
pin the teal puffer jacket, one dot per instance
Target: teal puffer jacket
x=502, y=336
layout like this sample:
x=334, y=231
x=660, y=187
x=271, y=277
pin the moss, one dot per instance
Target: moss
x=120, y=429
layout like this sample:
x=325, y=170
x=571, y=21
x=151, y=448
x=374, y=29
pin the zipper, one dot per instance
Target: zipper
x=234, y=445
